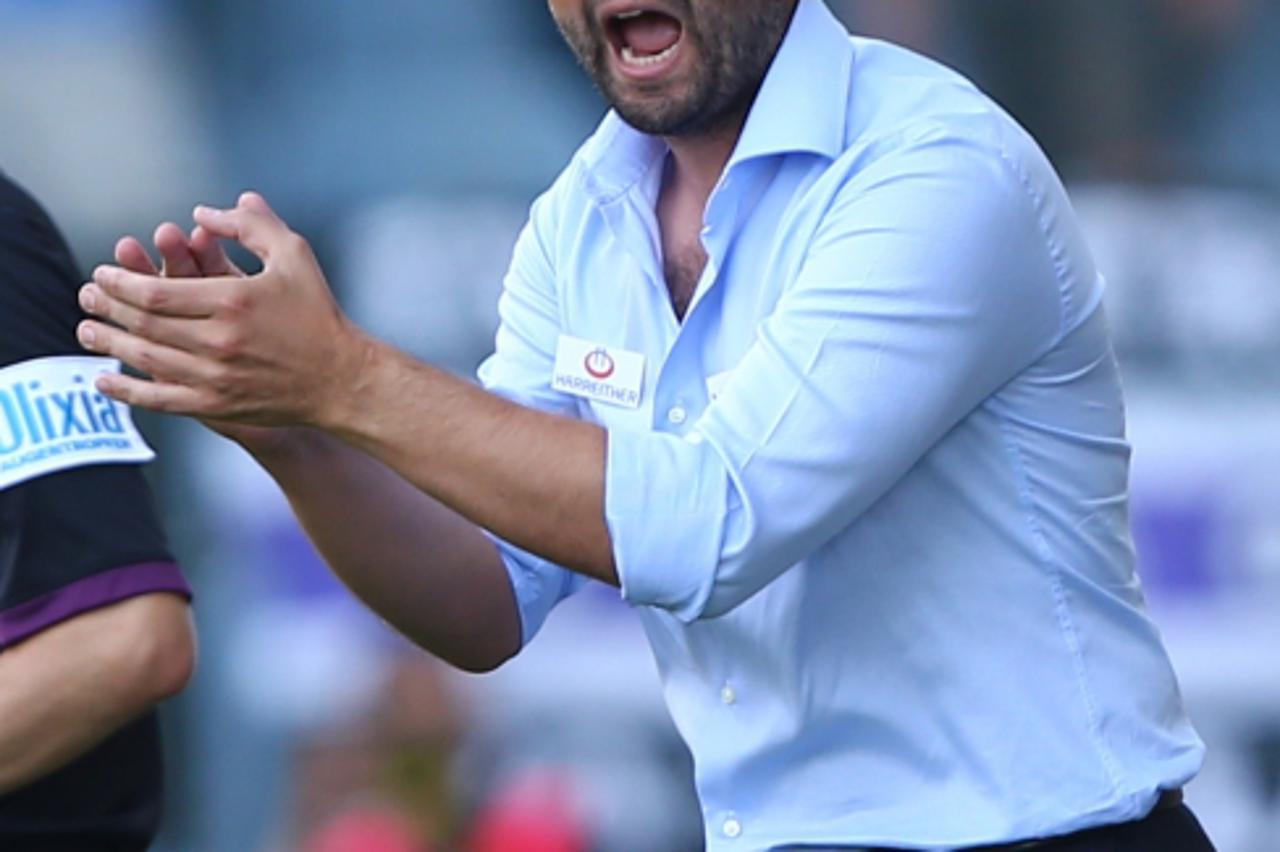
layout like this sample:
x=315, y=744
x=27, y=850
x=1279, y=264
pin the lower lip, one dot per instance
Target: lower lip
x=651, y=70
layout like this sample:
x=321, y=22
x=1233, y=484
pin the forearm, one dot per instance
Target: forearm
x=275, y=350
x=68, y=688
x=429, y=572
x=534, y=479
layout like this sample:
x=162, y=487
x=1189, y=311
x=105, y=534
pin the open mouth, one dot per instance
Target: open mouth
x=645, y=39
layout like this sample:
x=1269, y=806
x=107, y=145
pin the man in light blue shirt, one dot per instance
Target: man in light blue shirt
x=805, y=352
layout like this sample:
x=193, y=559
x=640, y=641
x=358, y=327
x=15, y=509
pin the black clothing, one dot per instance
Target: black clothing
x=70, y=541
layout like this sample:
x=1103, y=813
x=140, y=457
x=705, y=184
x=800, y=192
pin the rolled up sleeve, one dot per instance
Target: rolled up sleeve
x=666, y=505
x=930, y=283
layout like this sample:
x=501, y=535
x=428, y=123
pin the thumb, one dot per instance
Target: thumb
x=251, y=223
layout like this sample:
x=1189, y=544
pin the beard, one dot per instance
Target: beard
x=734, y=42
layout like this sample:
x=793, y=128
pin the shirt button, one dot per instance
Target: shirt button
x=727, y=695
x=677, y=415
x=731, y=828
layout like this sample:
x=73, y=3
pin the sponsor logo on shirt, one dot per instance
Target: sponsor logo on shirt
x=52, y=418
x=593, y=371
x=599, y=363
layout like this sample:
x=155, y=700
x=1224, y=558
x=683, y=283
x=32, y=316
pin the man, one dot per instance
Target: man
x=94, y=622
x=803, y=351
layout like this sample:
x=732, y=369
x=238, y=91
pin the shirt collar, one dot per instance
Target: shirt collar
x=803, y=103
x=802, y=106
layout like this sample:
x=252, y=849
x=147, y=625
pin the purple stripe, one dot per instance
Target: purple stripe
x=98, y=590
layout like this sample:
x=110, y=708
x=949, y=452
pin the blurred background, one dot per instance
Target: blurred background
x=406, y=139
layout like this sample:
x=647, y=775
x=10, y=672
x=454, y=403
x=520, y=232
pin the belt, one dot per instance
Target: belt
x=1168, y=799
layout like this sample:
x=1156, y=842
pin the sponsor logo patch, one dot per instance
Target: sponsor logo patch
x=53, y=418
x=597, y=372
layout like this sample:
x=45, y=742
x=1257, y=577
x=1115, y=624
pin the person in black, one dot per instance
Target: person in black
x=95, y=626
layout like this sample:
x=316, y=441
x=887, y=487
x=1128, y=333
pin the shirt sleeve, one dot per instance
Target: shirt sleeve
x=520, y=370
x=929, y=284
x=83, y=537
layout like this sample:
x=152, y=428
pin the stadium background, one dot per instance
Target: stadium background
x=406, y=137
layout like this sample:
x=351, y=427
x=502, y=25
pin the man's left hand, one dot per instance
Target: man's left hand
x=271, y=348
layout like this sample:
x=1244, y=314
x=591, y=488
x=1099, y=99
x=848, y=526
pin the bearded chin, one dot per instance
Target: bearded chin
x=702, y=110
x=698, y=107
x=658, y=119
x=715, y=99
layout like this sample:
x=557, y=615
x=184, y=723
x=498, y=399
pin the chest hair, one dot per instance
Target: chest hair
x=683, y=267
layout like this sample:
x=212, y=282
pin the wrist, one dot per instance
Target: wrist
x=350, y=378
x=271, y=444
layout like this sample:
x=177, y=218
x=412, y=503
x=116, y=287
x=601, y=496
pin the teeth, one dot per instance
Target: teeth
x=627, y=16
x=629, y=56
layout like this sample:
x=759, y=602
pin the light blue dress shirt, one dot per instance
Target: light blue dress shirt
x=887, y=571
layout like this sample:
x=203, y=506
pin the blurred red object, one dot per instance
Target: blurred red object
x=536, y=813
x=373, y=829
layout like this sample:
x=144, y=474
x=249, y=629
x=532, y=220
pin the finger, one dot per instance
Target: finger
x=179, y=262
x=210, y=255
x=173, y=297
x=254, y=201
x=155, y=359
x=251, y=223
x=132, y=255
x=180, y=333
x=156, y=396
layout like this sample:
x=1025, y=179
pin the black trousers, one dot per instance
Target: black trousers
x=1173, y=829
x=1170, y=829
